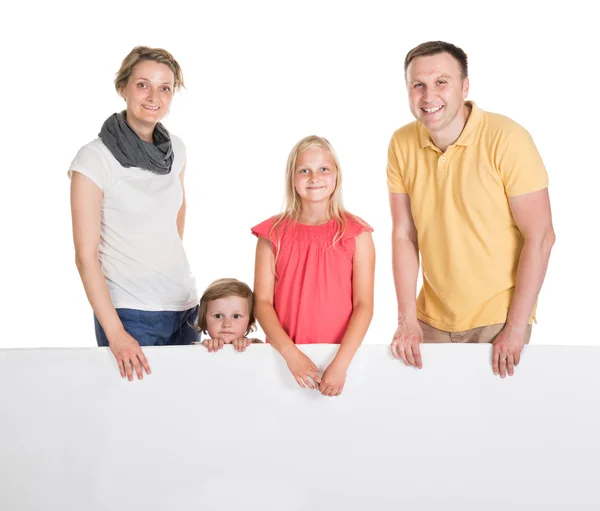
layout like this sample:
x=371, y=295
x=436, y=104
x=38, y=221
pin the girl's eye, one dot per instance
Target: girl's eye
x=303, y=171
x=324, y=169
x=218, y=316
x=237, y=316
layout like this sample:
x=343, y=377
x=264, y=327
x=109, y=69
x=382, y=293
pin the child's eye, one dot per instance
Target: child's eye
x=303, y=171
x=237, y=316
x=218, y=316
x=324, y=169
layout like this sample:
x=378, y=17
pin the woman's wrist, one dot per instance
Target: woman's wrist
x=113, y=330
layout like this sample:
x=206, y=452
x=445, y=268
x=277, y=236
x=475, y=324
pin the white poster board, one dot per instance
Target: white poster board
x=232, y=431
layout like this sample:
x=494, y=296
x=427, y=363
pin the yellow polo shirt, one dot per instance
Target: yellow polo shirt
x=469, y=242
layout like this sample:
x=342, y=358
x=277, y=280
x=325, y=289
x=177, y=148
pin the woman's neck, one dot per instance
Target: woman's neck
x=141, y=129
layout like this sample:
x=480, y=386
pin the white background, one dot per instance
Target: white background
x=259, y=76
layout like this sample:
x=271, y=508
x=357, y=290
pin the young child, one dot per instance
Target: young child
x=226, y=314
x=314, y=270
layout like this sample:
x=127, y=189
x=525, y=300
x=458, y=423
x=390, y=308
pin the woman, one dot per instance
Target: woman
x=128, y=210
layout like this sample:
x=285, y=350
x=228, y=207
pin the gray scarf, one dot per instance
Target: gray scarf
x=131, y=151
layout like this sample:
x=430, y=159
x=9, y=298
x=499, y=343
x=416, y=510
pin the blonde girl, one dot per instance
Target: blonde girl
x=314, y=269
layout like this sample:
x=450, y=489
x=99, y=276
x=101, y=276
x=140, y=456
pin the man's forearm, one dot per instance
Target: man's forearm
x=405, y=265
x=531, y=271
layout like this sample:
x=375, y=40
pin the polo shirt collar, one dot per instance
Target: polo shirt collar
x=467, y=136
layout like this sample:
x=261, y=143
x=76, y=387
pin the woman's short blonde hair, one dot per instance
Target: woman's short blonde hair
x=224, y=288
x=141, y=53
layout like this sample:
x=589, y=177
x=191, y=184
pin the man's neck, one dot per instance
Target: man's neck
x=445, y=138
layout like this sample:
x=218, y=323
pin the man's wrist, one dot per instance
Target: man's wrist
x=405, y=317
x=515, y=327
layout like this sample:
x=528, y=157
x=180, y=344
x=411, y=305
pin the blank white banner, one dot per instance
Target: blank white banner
x=232, y=431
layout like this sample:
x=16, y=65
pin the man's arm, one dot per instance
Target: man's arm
x=533, y=217
x=405, y=265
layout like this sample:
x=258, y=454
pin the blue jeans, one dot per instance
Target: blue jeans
x=155, y=328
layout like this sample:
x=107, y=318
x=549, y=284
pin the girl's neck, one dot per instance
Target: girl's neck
x=314, y=213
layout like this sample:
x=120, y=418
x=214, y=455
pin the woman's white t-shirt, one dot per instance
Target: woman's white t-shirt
x=141, y=253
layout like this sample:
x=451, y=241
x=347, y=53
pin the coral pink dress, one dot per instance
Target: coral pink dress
x=313, y=285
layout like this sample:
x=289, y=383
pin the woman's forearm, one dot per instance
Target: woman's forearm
x=97, y=293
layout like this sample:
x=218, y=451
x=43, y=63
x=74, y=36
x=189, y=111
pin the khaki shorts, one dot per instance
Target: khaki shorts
x=483, y=334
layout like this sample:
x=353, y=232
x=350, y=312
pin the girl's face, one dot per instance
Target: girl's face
x=315, y=175
x=148, y=93
x=227, y=318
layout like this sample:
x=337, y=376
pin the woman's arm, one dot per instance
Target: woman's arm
x=86, y=211
x=181, y=213
x=363, y=276
x=299, y=364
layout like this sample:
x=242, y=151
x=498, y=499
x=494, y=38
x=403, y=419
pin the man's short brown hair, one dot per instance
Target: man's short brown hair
x=435, y=47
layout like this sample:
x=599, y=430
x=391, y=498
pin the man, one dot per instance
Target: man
x=468, y=190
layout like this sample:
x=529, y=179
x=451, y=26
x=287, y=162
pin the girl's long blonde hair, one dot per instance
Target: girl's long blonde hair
x=293, y=202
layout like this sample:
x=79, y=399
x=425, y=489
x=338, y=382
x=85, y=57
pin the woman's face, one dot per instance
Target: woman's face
x=148, y=94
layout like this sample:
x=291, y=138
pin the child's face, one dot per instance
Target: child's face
x=315, y=175
x=227, y=318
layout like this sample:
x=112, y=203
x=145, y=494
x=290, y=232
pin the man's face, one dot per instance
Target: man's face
x=436, y=91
